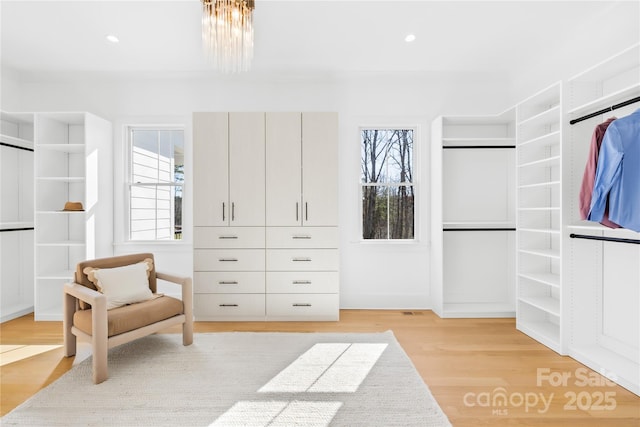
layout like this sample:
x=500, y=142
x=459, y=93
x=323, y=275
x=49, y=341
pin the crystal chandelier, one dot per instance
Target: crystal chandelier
x=227, y=33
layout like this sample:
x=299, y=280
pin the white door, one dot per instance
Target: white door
x=246, y=169
x=211, y=169
x=284, y=169
x=320, y=169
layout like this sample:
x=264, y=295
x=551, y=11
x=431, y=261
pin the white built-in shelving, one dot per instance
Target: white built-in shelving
x=473, y=216
x=602, y=277
x=16, y=214
x=72, y=164
x=539, y=216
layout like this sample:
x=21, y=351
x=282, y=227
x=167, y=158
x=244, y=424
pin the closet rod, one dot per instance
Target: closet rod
x=606, y=239
x=16, y=146
x=477, y=146
x=16, y=229
x=478, y=229
x=605, y=110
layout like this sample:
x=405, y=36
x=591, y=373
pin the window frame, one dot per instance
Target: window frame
x=415, y=165
x=128, y=181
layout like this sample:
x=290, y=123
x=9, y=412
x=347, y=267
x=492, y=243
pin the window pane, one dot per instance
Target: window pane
x=400, y=155
x=401, y=209
x=374, y=155
x=155, y=212
x=374, y=212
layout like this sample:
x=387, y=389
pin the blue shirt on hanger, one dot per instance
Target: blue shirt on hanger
x=618, y=174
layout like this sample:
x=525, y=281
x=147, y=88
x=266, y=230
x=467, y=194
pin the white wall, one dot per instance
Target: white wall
x=373, y=274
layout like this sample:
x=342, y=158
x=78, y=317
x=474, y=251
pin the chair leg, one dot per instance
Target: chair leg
x=70, y=342
x=187, y=332
x=100, y=341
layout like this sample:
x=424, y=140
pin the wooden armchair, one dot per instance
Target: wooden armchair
x=88, y=313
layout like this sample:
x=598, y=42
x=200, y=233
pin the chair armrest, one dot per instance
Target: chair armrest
x=187, y=290
x=88, y=295
x=180, y=280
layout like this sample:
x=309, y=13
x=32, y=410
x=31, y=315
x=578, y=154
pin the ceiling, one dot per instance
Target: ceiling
x=300, y=36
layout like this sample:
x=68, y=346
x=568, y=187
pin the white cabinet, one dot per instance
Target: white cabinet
x=302, y=169
x=539, y=219
x=16, y=214
x=229, y=169
x=72, y=164
x=278, y=169
x=602, y=276
x=473, y=219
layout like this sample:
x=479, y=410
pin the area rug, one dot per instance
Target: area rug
x=242, y=379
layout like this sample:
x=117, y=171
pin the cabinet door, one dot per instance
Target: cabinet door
x=320, y=169
x=210, y=169
x=246, y=168
x=284, y=169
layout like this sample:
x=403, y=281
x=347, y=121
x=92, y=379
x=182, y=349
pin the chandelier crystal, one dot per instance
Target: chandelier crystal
x=227, y=33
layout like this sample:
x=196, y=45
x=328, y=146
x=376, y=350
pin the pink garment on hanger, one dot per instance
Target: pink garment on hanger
x=589, y=177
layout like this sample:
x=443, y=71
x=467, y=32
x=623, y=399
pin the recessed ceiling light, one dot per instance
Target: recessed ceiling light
x=410, y=38
x=113, y=39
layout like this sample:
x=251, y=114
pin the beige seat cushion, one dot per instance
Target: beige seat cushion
x=129, y=317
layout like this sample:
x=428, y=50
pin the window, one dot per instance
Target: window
x=156, y=182
x=387, y=184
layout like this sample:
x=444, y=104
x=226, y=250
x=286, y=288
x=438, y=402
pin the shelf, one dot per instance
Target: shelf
x=549, y=161
x=546, y=333
x=617, y=64
x=540, y=208
x=495, y=142
x=540, y=230
x=547, y=304
x=484, y=224
x=597, y=227
x=65, y=148
x=18, y=142
x=69, y=179
x=63, y=243
x=547, y=253
x=548, y=116
x=544, y=278
x=477, y=310
x=540, y=184
x=16, y=225
x=607, y=101
x=60, y=212
x=544, y=140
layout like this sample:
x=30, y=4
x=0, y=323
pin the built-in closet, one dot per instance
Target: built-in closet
x=265, y=216
x=16, y=215
x=473, y=215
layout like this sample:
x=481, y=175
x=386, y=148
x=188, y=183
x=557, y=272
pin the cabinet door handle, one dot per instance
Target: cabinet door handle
x=297, y=209
x=301, y=259
x=302, y=282
x=228, y=305
x=227, y=237
x=228, y=259
x=306, y=211
x=301, y=237
x=227, y=282
x=224, y=218
x=300, y=305
x=233, y=211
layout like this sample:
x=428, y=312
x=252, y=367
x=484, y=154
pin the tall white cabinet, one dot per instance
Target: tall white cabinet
x=270, y=181
x=16, y=214
x=473, y=216
x=602, y=276
x=73, y=163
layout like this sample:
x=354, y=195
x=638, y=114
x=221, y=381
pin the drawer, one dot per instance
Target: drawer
x=229, y=282
x=302, y=260
x=302, y=237
x=228, y=260
x=306, y=282
x=228, y=237
x=302, y=307
x=229, y=306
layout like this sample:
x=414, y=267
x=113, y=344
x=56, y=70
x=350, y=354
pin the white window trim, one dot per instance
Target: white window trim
x=121, y=175
x=417, y=142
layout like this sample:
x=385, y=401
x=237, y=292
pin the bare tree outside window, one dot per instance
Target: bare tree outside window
x=387, y=184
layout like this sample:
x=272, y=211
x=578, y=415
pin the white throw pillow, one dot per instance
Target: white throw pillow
x=124, y=285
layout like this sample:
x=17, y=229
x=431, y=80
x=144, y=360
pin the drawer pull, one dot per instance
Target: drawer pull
x=301, y=237
x=301, y=305
x=302, y=259
x=228, y=259
x=302, y=282
x=227, y=237
x=228, y=305
x=230, y=282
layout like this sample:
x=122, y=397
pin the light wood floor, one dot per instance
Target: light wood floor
x=465, y=363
